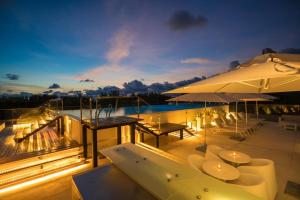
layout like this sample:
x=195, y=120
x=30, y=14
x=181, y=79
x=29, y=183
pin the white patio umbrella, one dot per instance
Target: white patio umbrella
x=206, y=97
x=264, y=74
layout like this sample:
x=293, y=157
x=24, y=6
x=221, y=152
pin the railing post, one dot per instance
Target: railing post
x=132, y=133
x=119, y=135
x=84, y=141
x=95, y=150
x=62, y=124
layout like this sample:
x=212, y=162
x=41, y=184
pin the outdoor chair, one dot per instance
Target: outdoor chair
x=242, y=116
x=293, y=110
x=289, y=122
x=196, y=161
x=266, y=169
x=222, y=127
x=212, y=152
x=253, y=184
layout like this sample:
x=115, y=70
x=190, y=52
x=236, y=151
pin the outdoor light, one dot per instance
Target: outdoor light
x=219, y=166
x=234, y=154
x=227, y=116
x=21, y=126
x=168, y=176
x=198, y=123
x=213, y=123
x=189, y=124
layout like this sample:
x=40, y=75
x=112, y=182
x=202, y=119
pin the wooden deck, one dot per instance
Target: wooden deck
x=44, y=141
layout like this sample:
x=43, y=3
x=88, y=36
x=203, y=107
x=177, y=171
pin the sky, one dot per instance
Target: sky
x=77, y=45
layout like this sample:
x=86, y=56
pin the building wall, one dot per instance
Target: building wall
x=179, y=116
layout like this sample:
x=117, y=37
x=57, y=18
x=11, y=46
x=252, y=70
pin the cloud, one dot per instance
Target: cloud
x=183, y=20
x=48, y=92
x=19, y=87
x=54, y=86
x=12, y=76
x=195, y=61
x=120, y=46
x=87, y=81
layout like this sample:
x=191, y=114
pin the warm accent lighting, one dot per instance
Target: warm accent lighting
x=189, y=124
x=21, y=126
x=213, y=123
x=43, y=179
x=198, y=123
x=168, y=176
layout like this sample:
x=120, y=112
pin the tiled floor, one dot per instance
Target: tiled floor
x=270, y=141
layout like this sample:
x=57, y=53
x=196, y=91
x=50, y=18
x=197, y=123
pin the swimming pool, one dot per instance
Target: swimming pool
x=131, y=110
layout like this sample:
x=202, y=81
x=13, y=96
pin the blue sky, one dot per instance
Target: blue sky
x=116, y=41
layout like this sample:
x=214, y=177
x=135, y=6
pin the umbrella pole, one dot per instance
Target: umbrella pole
x=246, y=113
x=204, y=145
x=205, y=124
x=256, y=110
x=236, y=125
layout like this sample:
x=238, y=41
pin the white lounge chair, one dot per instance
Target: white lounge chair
x=212, y=152
x=196, y=161
x=266, y=169
x=253, y=184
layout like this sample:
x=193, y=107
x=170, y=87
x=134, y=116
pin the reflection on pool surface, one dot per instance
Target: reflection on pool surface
x=130, y=110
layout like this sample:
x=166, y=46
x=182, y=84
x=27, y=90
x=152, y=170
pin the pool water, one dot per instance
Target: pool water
x=131, y=110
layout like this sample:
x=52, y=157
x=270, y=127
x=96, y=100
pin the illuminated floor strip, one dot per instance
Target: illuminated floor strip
x=43, y=179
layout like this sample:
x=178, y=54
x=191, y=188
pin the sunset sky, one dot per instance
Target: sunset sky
x=79, y=45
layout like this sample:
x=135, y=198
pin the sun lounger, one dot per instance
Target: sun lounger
x=290, y=122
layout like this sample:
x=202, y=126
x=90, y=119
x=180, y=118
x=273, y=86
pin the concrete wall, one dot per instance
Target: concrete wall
x=179, y=116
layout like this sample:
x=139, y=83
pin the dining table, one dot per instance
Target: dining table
x=235, y=157
x=220, y=170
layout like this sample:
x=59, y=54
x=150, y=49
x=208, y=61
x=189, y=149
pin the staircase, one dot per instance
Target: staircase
x=37, y=154
x=31, y=167
x=26, y=132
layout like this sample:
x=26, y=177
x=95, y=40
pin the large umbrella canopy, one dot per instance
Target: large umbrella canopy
x=263, y=74
x=205, y=97
x=252, y=96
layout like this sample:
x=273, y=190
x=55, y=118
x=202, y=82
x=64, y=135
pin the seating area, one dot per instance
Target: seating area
x=235, y=125
x=217, y=121
x=256, y=176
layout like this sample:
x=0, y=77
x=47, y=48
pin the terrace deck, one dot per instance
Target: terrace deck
x=270, y=141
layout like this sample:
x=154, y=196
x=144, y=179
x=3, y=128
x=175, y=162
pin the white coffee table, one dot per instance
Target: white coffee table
x=235, y=157
x=220, y=170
